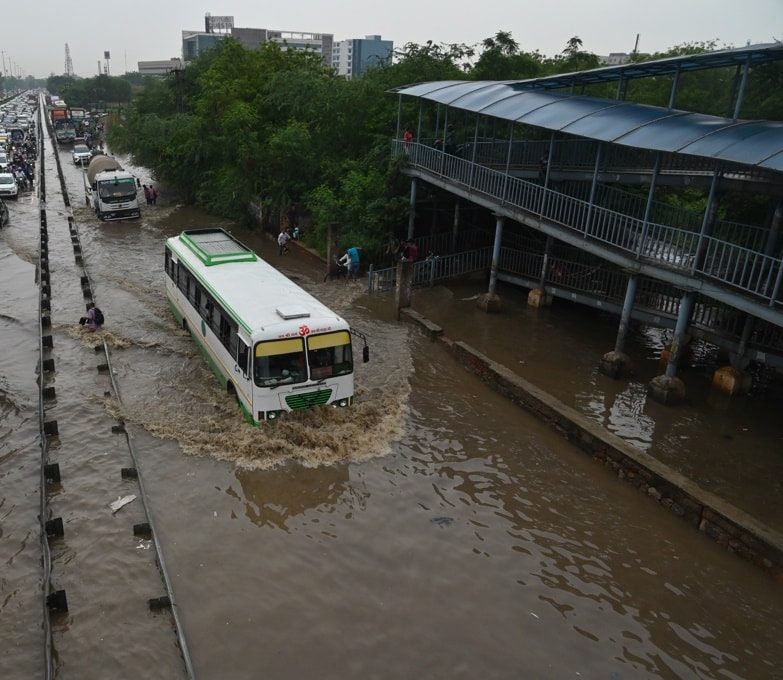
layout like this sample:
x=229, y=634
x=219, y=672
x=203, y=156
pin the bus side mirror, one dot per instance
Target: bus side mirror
x=365, y=354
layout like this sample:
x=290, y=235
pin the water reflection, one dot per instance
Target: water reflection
x=276, y=497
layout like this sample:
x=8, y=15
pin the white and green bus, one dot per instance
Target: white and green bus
x=270, y=343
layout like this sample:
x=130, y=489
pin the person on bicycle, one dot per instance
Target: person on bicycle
x=351, y=260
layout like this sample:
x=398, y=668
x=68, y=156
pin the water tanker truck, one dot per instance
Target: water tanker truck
x=113, y=189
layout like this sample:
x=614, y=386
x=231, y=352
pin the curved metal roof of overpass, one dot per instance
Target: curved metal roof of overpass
x=752, y=55
x=749, y=142
x=533, y=102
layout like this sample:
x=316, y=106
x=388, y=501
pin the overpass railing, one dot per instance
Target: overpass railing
x=746, y=270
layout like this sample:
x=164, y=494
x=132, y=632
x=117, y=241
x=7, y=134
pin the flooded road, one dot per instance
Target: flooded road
x=433, y=531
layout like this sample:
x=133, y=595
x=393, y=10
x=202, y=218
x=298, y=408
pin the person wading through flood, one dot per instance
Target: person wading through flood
x=282, y=241
x=94, y=319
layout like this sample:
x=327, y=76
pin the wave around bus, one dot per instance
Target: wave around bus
x=271, y=344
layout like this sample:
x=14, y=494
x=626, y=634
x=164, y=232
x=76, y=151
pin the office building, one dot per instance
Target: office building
x=351, y=58
x=161, y=67
x=194, y=43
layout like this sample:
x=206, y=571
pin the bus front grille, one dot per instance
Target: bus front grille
x=308, y=399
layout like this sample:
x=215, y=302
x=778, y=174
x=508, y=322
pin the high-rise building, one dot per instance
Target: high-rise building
x=351, y=58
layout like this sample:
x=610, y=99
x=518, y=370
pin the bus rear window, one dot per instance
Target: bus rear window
x=279, y=362
x=329, y=355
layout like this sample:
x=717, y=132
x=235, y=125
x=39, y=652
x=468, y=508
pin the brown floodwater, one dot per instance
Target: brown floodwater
x=434, y=530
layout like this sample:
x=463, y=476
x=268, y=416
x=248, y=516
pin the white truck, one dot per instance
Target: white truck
x=112, y=188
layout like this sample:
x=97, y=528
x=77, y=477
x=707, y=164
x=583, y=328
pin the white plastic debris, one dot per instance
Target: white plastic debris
x=121, y=502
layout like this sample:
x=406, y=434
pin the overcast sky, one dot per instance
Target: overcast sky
x=34, y=32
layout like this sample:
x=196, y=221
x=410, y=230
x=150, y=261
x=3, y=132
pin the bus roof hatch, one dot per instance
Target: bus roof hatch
x=292, y=312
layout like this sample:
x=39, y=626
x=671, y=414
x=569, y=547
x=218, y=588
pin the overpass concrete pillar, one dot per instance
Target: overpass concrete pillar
x=617, y=364
x=538, y=297
x=490, y=301
x=668, y=388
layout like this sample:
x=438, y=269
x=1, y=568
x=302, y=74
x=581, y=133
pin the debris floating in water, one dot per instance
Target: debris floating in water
x=121, y=502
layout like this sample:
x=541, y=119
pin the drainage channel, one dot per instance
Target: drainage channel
x=99, y=549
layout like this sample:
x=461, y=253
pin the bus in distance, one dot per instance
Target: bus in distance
x=271, y=344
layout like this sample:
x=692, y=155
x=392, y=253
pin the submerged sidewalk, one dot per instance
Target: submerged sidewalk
x=568, y=393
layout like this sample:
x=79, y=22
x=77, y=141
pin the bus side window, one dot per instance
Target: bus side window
x=242, y=355
x=207, y=311
x=192, y=286
x=225, y=331
x=232, y=340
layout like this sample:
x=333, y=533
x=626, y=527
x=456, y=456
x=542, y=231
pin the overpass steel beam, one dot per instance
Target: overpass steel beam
x=593, y=187
x=648, y=207
x=707, y=221
x=742, y=86
x=675, y=88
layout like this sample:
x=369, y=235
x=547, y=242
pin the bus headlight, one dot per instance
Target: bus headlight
x=273, y=415
x=341, y=403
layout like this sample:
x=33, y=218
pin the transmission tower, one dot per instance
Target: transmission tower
x=68, y=62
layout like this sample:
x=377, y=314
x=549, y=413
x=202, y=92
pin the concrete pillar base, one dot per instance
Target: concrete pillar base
x=731, y=381
x=685, y=357
x=663, y=360
x=489, y=302
x=666, y=389
x=538, y=297
x=615, y=364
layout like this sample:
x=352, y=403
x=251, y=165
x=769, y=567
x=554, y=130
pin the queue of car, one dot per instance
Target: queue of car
x=17, y=154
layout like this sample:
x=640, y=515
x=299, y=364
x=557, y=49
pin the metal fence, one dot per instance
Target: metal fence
x=747, y=270
x=427, y=272
x=605, y=282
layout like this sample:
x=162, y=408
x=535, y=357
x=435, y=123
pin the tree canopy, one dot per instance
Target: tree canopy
x=279, y=127
x=97, y=91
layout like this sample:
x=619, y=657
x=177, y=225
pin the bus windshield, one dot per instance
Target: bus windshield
x=279, y=362
x=329, y=355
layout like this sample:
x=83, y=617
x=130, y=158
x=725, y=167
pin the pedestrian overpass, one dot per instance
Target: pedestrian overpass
x=563, y=169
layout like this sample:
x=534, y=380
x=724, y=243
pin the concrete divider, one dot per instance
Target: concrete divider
x=726, y=524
